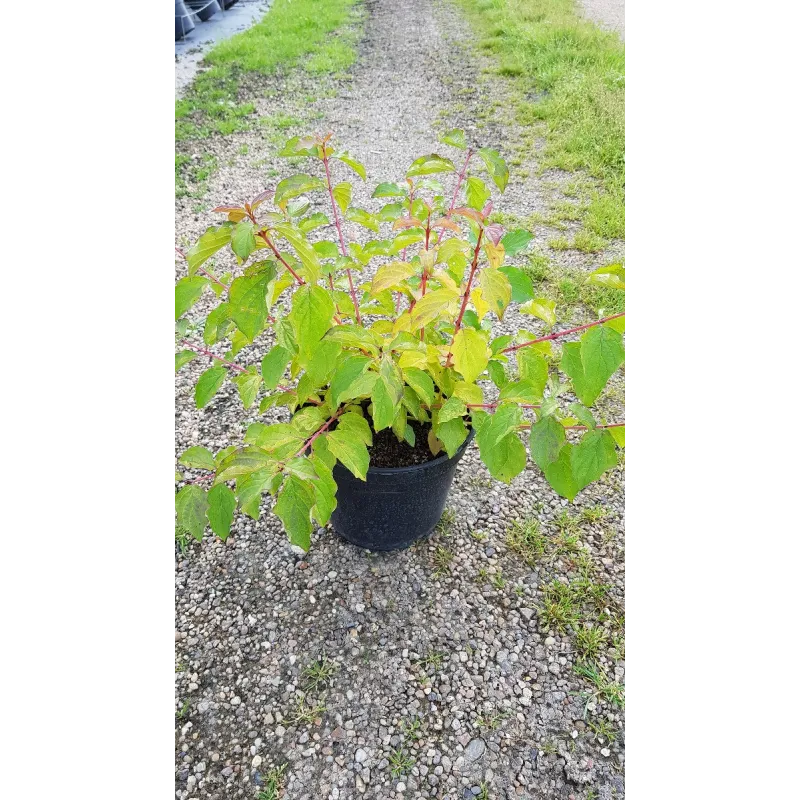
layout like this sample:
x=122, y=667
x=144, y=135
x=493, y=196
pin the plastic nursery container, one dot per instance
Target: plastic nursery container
x=205, y=9
x=395, y=506
x=183, y=20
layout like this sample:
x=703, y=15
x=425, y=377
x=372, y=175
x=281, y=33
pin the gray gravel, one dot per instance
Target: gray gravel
x=455, y=668
x=608, y=14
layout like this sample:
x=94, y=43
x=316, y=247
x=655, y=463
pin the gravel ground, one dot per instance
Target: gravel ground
x=609, y=14
x=438, y=652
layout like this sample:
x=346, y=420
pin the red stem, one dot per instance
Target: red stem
x=312, y=438
x=342, y=245
x=263, y=235
x=466, y=294
x=203, y=352
x=561, y=333
x=461, y=176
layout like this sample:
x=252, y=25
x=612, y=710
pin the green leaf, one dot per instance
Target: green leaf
x=249, y=489
x=311, y=316
x=312, y=222
x=355, y=336
x=504, y=458
x=520, y=392
x=361, y=387
x=187, y=293
x=183, y=357
x=324, y=491
x=583, y=415
x=349, y=448
x=247, y=302
x=391, y=276
x=533, y=368
x=470, y=353
x=477, y=193
x=326, y=249
x=521, y=285
x=248, y=384
x=455, y=138
x=294, y=510
x=244, y=461
x=619, y=435
x=356, y=424
x=542, y=308
x=421, y=383
x=191, y=504
x=451, y=434
x=496, y=290
x=364, y=218
x=294, y=186
x=451, y=409
x=218, y=323
x=612, y=276
x=592, y=456
x=347, y=373
x=221, y=505
x=428, y=165
x=560, y=476
x=592, y=361
x=435, y=304
x=198, y=458
x=301, y=467
x=208, y=385
x=343, y=194
x=309, y=420
x=497, y=374
x=546, y=440
x=210, y=242
x=243, y=241
x=495, y=166
x=505, y=420
x=515, y=241
x=386, y=395
x=274, y=364
x=388, y=190
x=305, y=251
x=356, y=166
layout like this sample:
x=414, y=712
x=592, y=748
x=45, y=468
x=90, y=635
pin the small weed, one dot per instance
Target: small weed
x=445, y=524
x=441, y=561
x=498, y=581
x=184, y=710
x=319, y=673
x=411, y=729
x=593, y=514
x=527, y=539
x=559, y=610
x=243, y=150
x=400, y=762
x=589, y=641
x=618, y=645
x=484, y=793
x=559, y=243
x=273, y=783
x=479, y=536
x=519, y=591
x=491, y=722
x=432, y=662
x=483, y=575
x=306, y=712
x=605, y=689
x=602, y=730
x=566, y=523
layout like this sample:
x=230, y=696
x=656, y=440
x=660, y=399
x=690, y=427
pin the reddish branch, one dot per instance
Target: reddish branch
x=582, y=427
x=265, y=237
x=311, y=439
x=342, y=245
x=466, y=295
x=459, y=181
x=561, y=333
x=203, y=352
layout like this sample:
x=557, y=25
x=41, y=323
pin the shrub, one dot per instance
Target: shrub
x=413, y=343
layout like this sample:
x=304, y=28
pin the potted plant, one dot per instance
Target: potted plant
x=385, y=379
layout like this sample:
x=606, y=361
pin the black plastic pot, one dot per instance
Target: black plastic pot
x=183, y=20
x=394, y=507
x=205, y=9
x=227, y=3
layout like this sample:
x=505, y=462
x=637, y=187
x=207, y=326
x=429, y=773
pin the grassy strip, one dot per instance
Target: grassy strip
x=294, y=33
x=576, y=72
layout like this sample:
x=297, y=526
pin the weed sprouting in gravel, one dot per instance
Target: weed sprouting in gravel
x=184, y=710
x=273, y=783
x=400, y=762
x=559, y=609
x=445, y=525
x=605, y=689
x=526, y=538
x=306, y=711
x=441, y=561
x=319, y=673
x=432, y=662
x=593, y=514
x=411, y=730
x=589, y=641
x=603, y=730
x=498, y=581
x=491, y=721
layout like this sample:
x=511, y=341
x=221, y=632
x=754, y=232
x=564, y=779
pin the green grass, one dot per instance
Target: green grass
x=576, y=74
x=312, y=35
x=273, y=783
x=319, y=673
x=400, y=762
x=526, y=538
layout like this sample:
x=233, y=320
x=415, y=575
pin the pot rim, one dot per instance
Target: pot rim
x=433, y=462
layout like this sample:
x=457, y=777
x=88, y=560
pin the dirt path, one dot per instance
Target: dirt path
x=609, y=14
x=447, y=678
